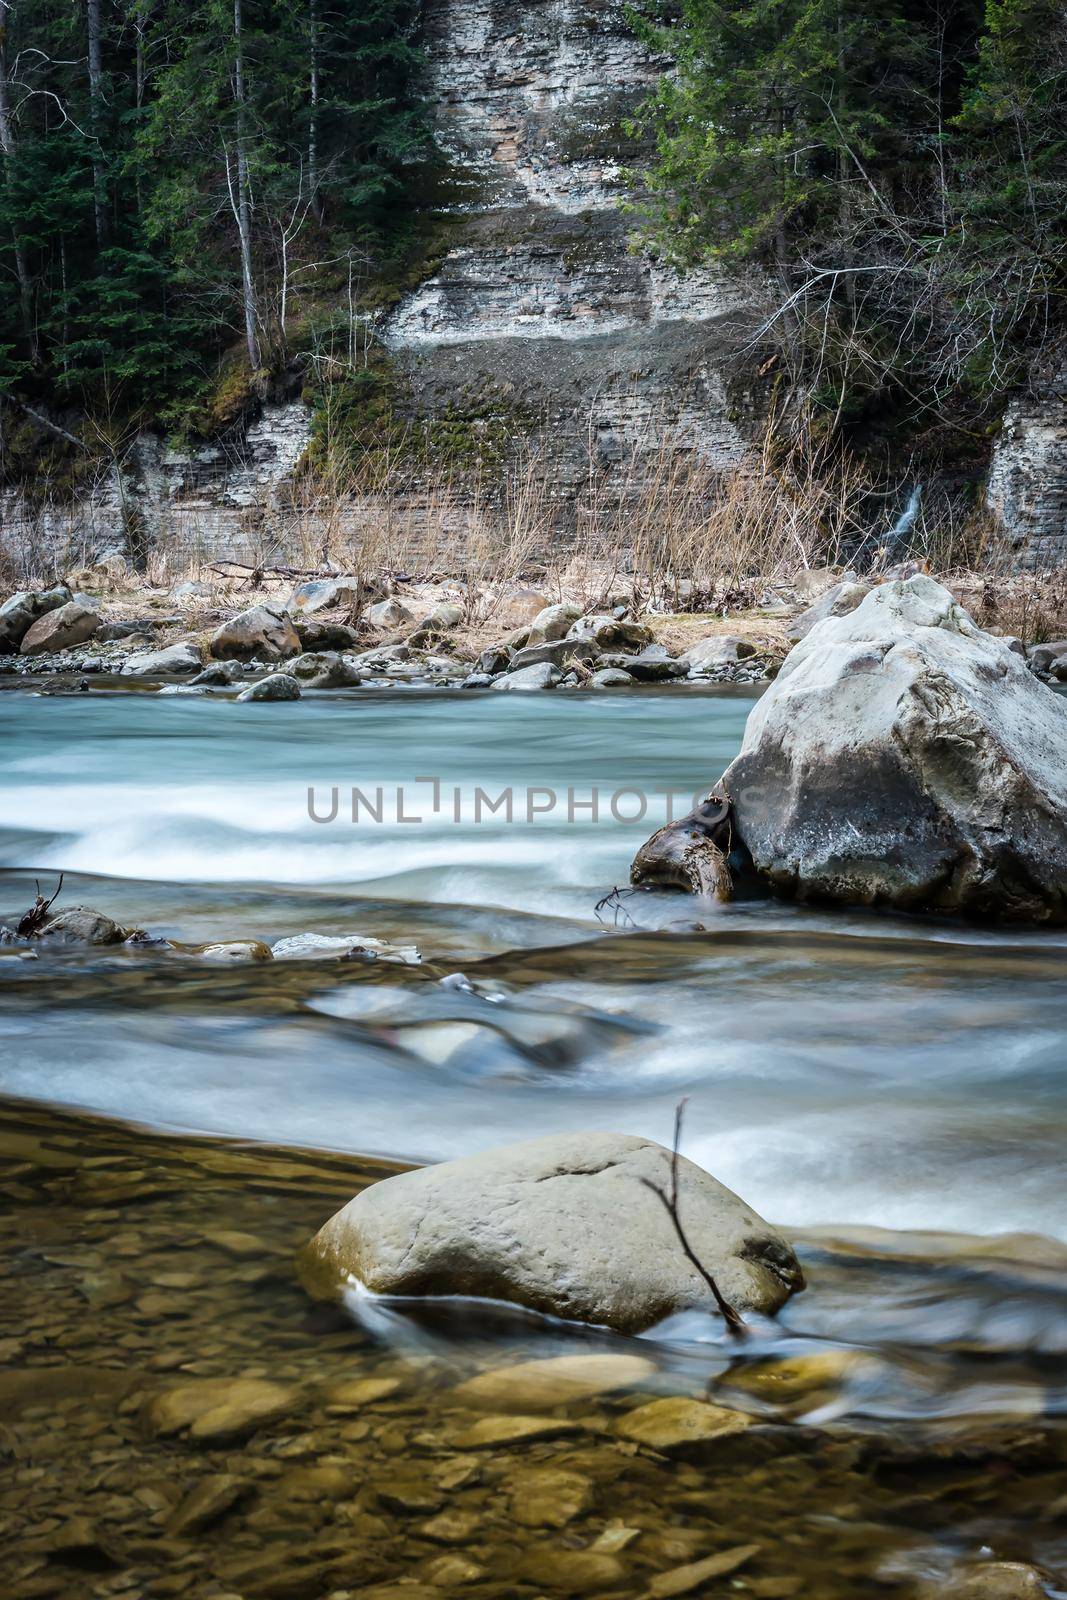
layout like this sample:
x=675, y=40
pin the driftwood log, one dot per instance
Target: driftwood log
x=691, y=854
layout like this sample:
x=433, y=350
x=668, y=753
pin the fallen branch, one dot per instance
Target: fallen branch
x=36, y=917
x=732, y=1319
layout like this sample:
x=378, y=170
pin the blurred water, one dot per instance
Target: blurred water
x=844, y=1069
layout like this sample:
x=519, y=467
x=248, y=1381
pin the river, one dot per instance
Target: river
x=889, y=1090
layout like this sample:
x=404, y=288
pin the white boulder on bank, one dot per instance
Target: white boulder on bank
x=903, y=757
x=564, y=1225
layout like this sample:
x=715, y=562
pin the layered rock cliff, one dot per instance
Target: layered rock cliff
x=542, y=295
x=1028, y=473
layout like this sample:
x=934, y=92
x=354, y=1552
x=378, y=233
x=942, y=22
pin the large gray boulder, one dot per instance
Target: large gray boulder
x=59, y=629
x=564, y=1225
x=262, y=633
x=20, y=611
x=905, y=758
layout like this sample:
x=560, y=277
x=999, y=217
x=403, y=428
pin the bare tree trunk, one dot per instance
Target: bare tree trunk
x=313, y=124
x=242, y=209
x=7, y=147
x=96, y=105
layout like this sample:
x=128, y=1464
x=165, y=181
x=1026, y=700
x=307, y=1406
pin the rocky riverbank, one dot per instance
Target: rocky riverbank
x=179, y=1420
x=276, y=641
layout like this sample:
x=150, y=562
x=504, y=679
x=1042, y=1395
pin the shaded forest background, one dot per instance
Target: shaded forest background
x=199, y=195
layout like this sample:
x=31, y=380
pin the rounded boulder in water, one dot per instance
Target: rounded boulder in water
x=565, y=1225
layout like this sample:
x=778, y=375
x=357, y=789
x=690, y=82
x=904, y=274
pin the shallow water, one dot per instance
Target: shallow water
x=178, y=1417
x=890, y=1090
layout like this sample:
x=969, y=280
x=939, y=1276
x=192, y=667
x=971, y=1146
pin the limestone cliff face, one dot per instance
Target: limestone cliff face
x=215, y=499
x=1028, y=474
x=542, y=296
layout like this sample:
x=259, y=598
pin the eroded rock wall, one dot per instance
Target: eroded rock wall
x=185, y=504
x=1028, y=474
x=542, y=295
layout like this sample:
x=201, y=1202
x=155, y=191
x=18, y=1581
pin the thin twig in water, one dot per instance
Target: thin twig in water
x=732, y=1319
x=613, y=898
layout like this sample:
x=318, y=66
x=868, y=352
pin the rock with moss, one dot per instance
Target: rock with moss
x=324, y=669
x=279, y=686
x=567, y=1225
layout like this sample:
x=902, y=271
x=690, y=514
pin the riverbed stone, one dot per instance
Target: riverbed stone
x=655, y=664
x=323, y=669
x=611, y=678
x=718, y=650
x=219, y=675
x=279, y=686
x=82, y=925
x=22, y=609
x=330, y=594
x=1041, y=656
x=532, y=1386
x=989, y=1580
x=552, y=623
x=61, y=628
x=560, y=653
x=219, y=1408
x=236, y=951
x=696, y=1574
x=542, y=675
x=786, y=1380
x=905, y=758
x=356, y=1393
x=442, y=619
x=676, y=1422
x=207, y=1502
x=548, y=1497
x=183, y=657
x=315, y=634
x=571, y=1571
x=262, y=633
x=612, y=633
x=565, y=1224
x=391, y=613
x=488, y=1432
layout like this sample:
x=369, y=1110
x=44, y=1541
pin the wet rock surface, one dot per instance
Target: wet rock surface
x=565, y=1224
x=179, y=1420
x=903, y=757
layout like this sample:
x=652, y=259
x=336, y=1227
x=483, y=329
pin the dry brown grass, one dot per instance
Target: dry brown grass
x=666, y=531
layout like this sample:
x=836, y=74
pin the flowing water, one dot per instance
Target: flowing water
x=889, y=1090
